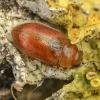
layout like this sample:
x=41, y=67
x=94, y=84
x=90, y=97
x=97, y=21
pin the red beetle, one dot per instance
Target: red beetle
x=46, y=44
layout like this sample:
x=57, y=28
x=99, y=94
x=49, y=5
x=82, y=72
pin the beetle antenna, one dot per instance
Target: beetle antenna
x=38, y=85
x=12, y=92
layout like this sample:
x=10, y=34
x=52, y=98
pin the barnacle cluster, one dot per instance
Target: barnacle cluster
x=81, y=21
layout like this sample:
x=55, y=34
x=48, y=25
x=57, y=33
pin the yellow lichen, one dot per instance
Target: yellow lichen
x=93, y=19
x=90, y=5
x=51, y=3
x=75, y=9
x=63, y=3
x=91, y=28
x=79, y=18
x=58, y=3
x=90, y=32
x=90, y=52
x=79, y=24
x=75, y=34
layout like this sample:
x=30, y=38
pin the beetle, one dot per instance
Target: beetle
x=46, y=44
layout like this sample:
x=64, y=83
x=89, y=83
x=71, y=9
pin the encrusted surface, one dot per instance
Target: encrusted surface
x=80, y=88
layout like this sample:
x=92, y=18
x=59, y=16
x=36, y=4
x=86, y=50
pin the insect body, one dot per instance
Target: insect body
x=46, y=44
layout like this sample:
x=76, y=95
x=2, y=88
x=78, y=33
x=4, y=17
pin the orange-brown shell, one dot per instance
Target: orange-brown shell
x=46, y=44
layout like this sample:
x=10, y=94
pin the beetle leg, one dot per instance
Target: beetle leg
x=30, y=58
x=46, y=67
